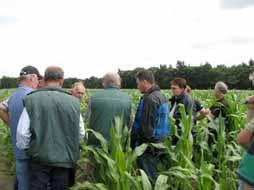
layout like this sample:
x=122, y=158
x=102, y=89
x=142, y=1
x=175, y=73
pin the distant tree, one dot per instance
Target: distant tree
x=68, y=82
x=93, y=82
x=9, y=82
x=203, y=76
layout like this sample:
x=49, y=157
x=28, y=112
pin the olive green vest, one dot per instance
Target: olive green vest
x=106, y=105
x=54, y=123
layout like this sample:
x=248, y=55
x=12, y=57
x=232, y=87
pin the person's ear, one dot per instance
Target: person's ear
x=144, y=82
x=61, y=82
x=32, y=78
x=103, y=84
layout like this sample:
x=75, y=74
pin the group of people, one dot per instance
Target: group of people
x=47, y=126
x=46, y=129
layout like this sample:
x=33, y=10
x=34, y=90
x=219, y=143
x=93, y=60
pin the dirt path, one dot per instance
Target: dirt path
x=6, y=181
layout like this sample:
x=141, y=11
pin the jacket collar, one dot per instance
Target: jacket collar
x=221, y=99
x=153, y=88
x=178, y=98
x=112, y=87
x=26, y=87
x=59, y=89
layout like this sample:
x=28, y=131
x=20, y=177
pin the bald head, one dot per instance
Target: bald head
x=78, y=90
x=111, y=80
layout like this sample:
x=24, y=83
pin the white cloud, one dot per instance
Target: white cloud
x=236, y=4
x=92, y=37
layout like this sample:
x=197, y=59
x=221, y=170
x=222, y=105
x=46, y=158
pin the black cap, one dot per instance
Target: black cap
x=30, y=70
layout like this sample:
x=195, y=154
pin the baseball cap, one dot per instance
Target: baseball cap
x=30, y=70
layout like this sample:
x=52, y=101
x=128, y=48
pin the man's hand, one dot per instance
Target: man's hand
x=4, y=111
x=205, y=112
x=250, y=102
x=244, y=138
x=4, y=116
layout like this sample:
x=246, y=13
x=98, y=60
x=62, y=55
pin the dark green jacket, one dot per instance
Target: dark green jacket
x=105, y=106
x=54, y=123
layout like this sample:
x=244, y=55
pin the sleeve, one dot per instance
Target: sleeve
x=250, y=126
x=23, y=131
x=215, y=111
x=188, y=105
x=148, y=118
x=131, y=116
x=81, y=129
x=250, y=115
x=4, y=105
x=198, y=105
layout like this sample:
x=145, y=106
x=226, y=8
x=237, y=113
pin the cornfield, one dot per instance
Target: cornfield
x=193, y=163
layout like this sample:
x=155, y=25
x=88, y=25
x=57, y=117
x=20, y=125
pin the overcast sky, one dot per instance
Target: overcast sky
x=91, y=37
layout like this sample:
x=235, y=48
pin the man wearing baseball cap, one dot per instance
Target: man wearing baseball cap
x=29, y=79
x=50, y=129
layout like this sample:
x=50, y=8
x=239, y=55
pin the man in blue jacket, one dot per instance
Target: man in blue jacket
x=151, y=123
x=29, y=80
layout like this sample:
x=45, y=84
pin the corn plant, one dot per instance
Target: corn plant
x=113, y=162
x=6, y=153
x=207, y=161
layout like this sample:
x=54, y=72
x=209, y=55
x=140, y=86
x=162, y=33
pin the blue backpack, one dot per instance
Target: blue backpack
x=161, y=129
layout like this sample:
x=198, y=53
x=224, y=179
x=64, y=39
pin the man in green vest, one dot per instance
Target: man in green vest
x=106, y=105
x=50, y=129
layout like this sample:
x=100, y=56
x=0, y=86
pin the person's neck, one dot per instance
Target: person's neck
x=27, y=84
x=112, y=86
x=181, y=94
x=149, y=87
x=54, y=84
x=220, y=97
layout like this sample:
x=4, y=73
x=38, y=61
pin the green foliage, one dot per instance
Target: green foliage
x=9, y=82
x=113, y=163
x=203, y=76
x=192, y=164
x=69, y=82
x=7, y=163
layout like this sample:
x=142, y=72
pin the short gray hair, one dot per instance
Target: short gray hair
x=53, y=73
x=111, y=80
x=78, y=83
x=26, y=77
x=222, y=87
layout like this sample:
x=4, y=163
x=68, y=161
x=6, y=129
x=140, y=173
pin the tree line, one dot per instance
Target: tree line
x=203, y=76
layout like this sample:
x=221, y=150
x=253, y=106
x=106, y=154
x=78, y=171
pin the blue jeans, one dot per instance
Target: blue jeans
x=22, y=173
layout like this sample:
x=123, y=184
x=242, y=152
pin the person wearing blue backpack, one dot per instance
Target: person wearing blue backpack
x=151, y=124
